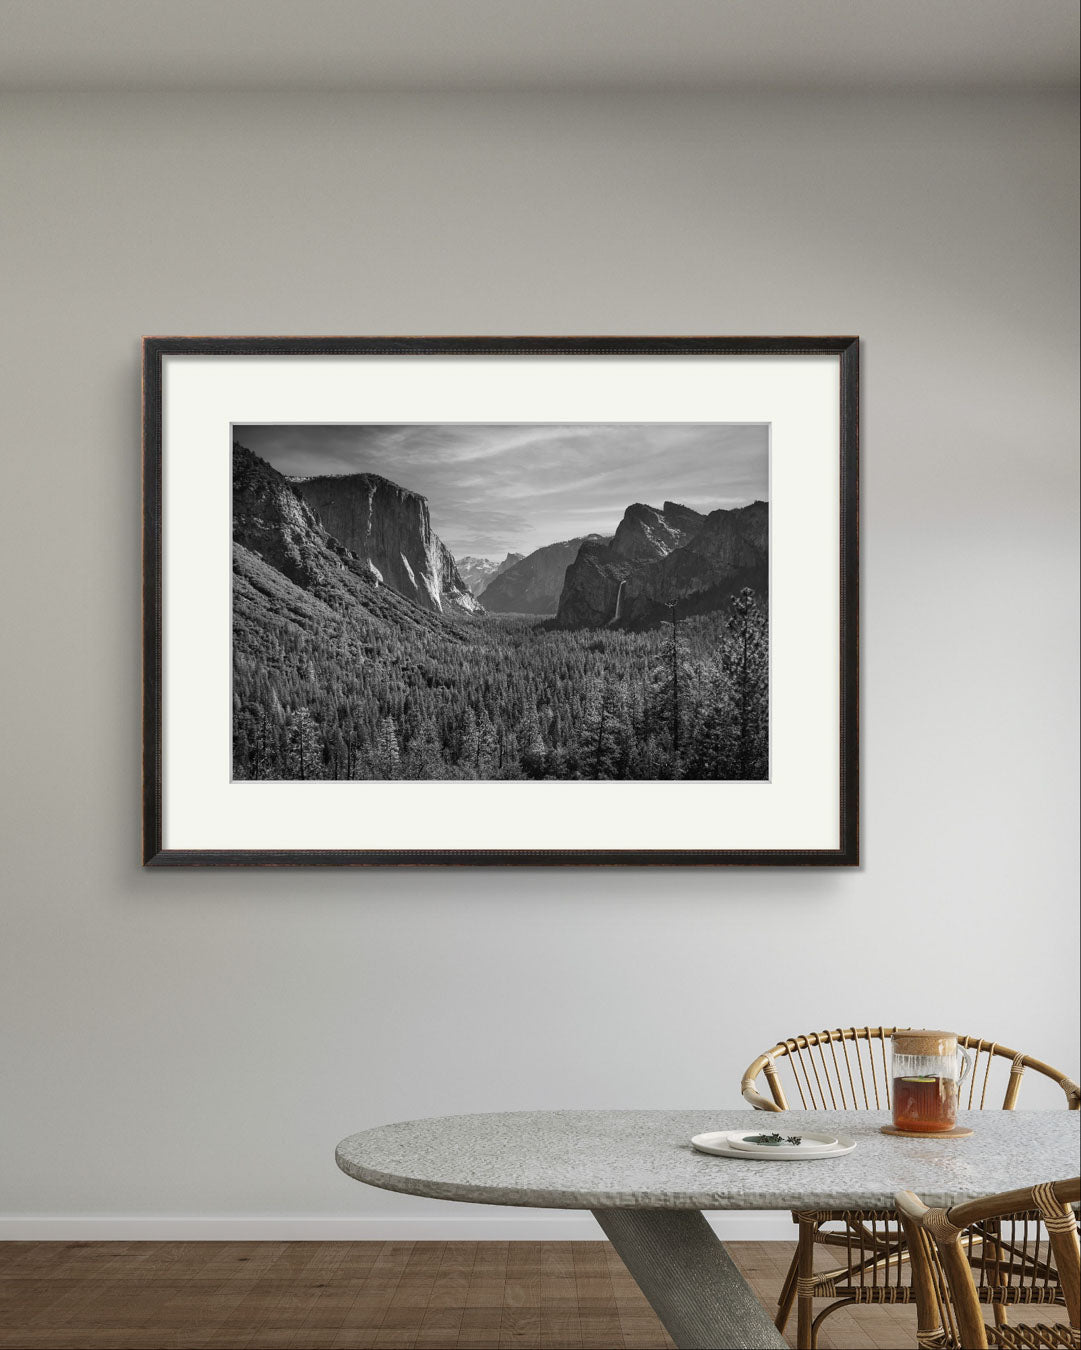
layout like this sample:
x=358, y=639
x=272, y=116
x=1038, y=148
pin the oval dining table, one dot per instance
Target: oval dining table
x=648, y=1187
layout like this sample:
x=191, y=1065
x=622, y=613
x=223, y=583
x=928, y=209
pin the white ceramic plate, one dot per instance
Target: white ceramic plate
x=720, y=1144
x=809, y=1143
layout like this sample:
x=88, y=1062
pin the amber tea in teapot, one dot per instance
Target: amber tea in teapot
x=928, y=1068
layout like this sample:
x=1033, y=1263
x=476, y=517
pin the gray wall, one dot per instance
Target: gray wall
x=192, y=1043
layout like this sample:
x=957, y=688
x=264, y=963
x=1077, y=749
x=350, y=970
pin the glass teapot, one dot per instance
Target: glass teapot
x=928, y=1069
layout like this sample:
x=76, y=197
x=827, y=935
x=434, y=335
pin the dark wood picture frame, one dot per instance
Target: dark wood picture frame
x=157, y=349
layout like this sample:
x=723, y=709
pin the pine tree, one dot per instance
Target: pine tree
x=487, y=747
x=470, y=744
x=673, y=664
x=510, y=762
x=714, y=748
x=746, y=659
x=603, y=747
x=338, y=755
x=305, y=756
x=425, y=757
x=388, y=756
x=670, y=687
x=534, y=753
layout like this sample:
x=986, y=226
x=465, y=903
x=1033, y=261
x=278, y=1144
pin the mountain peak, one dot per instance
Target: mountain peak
x=479, y=573
x=659, y=558
x=646, y=532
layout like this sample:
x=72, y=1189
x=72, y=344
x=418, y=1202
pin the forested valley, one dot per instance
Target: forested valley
x=326, y=696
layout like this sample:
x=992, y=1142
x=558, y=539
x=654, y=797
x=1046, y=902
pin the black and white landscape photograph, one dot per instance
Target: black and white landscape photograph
x=501, y=602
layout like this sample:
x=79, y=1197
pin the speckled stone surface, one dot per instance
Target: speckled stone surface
x=644, y=1159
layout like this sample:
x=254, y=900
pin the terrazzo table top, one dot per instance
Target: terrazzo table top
x=644, y=1159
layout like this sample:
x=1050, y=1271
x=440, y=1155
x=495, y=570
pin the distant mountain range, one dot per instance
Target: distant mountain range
x=534, y=585
x=361, y=542
x=477, y=573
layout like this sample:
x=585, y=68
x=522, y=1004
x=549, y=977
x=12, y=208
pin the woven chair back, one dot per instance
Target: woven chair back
x=848, y=1069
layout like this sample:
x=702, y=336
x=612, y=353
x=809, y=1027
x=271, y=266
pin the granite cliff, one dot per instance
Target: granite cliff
x=390, y=528
x=664, y=557
x=288, y=568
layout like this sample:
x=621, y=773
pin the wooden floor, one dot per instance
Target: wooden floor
x=362, y=1295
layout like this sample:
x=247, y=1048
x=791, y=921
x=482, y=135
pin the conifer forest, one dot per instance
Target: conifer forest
x=501, y=697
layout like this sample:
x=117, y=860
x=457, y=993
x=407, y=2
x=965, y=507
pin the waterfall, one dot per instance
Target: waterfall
x=619, y=604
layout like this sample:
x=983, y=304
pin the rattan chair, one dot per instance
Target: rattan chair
x=1024, y=1246
x=848, y=1070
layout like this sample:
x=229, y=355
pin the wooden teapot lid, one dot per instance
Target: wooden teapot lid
x=909, y=1042
x=925, y=1042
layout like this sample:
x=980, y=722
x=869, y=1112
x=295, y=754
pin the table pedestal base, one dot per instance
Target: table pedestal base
x=689, y=1279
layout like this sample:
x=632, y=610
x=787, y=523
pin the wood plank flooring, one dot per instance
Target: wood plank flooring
x=363, y=1296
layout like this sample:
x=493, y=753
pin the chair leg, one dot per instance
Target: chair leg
x=998, y=1275
x=805, y=1259
x=788, y=1293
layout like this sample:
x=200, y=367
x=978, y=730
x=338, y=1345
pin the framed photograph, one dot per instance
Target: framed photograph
x=493, y=601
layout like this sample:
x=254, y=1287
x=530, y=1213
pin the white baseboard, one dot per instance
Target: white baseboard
x=572, y=1226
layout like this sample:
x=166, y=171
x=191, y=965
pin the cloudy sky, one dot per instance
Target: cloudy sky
x=494, y=489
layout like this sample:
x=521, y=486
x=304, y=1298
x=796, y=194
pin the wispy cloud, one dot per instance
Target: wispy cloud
x=496, y=488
